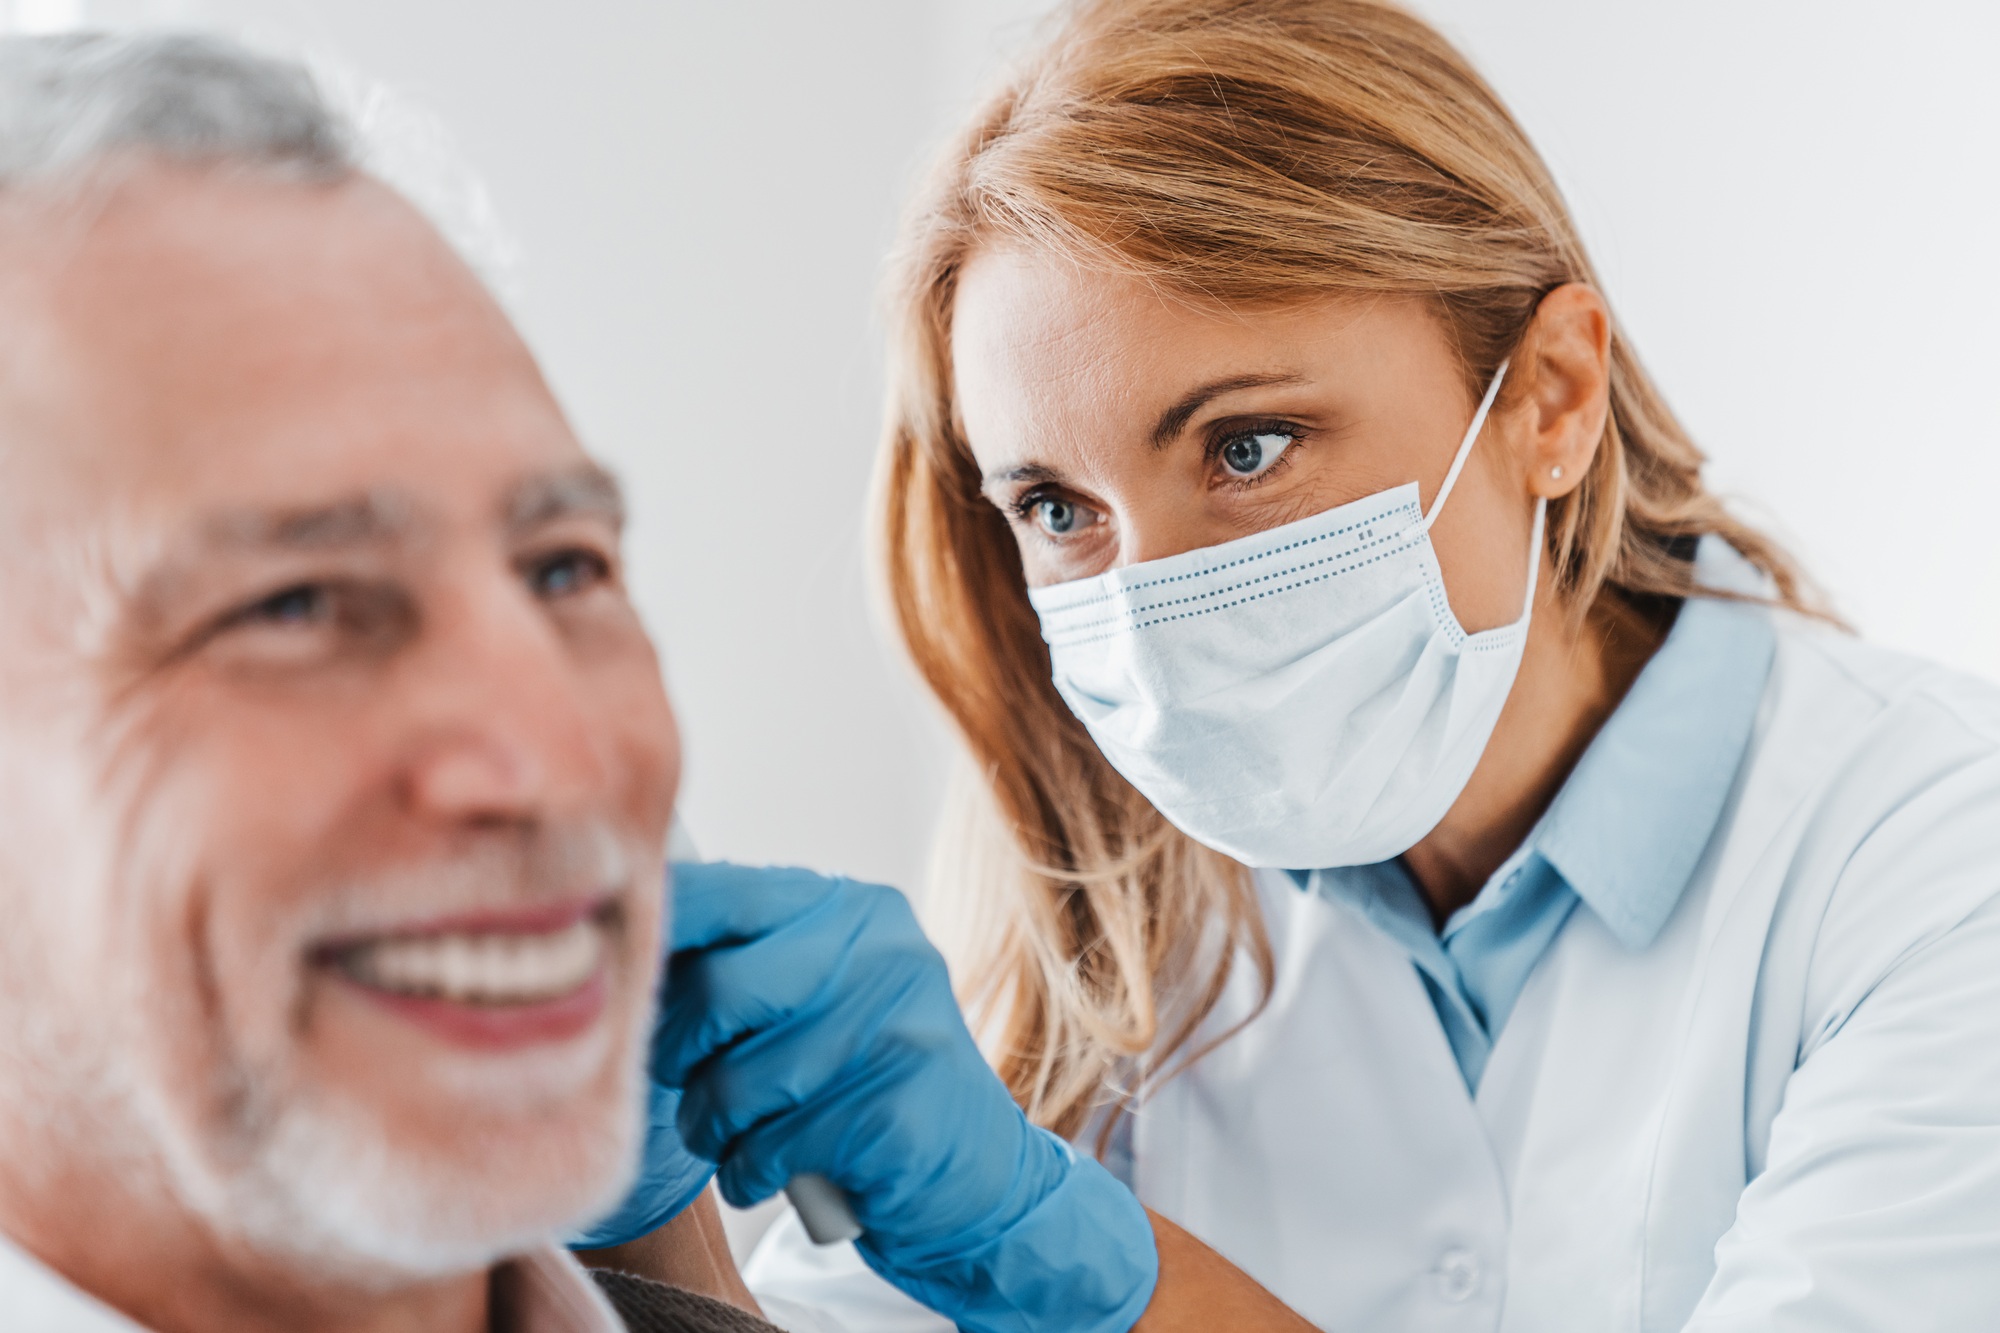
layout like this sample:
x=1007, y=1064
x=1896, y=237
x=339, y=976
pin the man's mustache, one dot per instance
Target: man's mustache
x=501, y=871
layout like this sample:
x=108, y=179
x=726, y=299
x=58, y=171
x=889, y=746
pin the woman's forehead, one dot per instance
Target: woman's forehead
x=1044, y=348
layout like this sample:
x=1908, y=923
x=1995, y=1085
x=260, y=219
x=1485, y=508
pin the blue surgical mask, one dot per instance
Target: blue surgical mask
x=1302, y=697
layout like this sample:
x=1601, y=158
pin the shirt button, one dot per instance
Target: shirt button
x=1457, y=1275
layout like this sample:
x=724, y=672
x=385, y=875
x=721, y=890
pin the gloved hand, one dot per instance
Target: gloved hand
x=670, y=1179
x=813, y=1029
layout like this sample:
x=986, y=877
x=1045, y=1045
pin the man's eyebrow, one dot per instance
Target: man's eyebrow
x=587, y=490
x=354, y=521
x=368, y=519
x=1175, y=419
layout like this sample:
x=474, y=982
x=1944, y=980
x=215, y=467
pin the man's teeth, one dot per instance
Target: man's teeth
x=481, y=968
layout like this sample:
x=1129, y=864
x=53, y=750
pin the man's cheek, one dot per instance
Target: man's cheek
x=280, y=783
x=211, y=987
x=633, y=719
x=646, y=740
x=646, y=932
x=65, y=820
x=213, y=915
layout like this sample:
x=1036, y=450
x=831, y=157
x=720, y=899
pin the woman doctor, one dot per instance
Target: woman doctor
x=1419, y=841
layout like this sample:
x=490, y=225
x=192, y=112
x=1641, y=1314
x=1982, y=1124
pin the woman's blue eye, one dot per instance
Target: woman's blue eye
x=1252, y=455
x=1057, y=517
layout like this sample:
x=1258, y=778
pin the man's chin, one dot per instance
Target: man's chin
x=383, y=1152
x=353, y=1205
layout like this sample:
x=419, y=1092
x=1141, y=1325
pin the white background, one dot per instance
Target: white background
x=1794, y=205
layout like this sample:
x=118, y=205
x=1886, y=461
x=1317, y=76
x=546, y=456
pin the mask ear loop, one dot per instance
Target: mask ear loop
x=1465, y=446
x=1458, y=466
x=1535, y=555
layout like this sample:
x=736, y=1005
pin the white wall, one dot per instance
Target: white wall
x=1797, y=211
x=1794, y=207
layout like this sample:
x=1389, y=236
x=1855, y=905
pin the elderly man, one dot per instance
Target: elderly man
x=335, y=767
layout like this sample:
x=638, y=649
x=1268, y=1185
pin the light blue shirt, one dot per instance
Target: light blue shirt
x=1622, y=837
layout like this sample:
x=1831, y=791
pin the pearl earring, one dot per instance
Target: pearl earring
x=1556, y=472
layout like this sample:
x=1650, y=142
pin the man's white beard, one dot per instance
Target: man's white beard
x=322, y=1184
x=310, y=1182
x=295, y=1170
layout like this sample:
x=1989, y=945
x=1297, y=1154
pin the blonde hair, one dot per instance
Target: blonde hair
x=1248, y=153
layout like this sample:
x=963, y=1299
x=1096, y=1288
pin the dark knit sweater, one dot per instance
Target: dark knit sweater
x=647, y=1306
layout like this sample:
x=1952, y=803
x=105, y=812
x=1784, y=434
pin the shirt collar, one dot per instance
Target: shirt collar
x=1628, y=827
x=35, y=1296
x=544, y=1291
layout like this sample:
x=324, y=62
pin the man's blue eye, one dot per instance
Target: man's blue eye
x=567, y=574
x=294, y=606
x=1057, y=517
x=1253, y=455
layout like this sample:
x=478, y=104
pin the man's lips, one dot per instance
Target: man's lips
x=488, y=979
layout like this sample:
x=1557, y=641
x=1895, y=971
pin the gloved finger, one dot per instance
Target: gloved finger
x=853, y=1135
x=888, y=1154
x=717, y=903
x=766, y=1158
x=800, y=1062
x=717, y=997
x=832, y=957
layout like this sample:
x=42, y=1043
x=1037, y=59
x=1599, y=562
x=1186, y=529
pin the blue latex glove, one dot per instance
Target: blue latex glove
x=670, y=1179
x=813, y=1029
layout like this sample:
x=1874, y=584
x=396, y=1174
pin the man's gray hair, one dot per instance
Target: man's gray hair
x=74, y=102
x=68, y=102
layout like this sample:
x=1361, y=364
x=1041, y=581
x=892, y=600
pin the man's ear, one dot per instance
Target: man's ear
x=1564, y=373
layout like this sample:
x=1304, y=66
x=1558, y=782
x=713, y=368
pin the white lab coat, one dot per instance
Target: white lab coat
x=1784, y=1114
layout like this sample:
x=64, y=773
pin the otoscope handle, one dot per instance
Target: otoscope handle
x=823, y=1209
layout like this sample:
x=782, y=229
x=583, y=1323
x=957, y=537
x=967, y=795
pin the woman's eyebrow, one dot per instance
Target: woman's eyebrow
x=1175, y=419
x=1014, y=476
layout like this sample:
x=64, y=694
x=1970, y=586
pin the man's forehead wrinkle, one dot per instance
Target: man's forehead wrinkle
x=587, y=489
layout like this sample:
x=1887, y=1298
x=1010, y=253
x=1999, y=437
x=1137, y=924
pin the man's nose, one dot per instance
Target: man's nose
x=503, y=730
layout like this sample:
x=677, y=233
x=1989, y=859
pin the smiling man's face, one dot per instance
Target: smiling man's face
x=335, y=766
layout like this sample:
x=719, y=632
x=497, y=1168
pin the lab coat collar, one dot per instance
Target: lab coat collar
x=1628, y=827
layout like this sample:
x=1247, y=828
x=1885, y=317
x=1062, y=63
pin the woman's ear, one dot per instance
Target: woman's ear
x=1564, y=366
